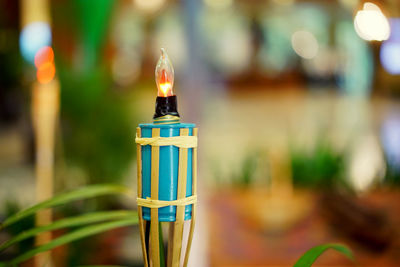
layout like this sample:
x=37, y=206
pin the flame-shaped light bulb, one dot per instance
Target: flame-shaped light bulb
x=164, y=75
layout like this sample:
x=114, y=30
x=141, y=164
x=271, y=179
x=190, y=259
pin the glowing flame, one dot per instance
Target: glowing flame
x=164, y=75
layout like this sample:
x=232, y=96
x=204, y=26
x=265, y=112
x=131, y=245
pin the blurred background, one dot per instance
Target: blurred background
x=297, y=103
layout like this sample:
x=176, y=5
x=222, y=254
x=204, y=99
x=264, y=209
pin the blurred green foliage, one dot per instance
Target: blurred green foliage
x=322, y=167
x=21, y=227
x=242, y=175
x=12, y=208
x=97, y=126
x=248, y=167
x=97, y=129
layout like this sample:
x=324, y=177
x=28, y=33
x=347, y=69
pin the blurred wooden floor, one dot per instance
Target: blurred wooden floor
x=236, y=239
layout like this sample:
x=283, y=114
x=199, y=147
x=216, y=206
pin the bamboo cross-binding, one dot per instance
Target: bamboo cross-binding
x=151, y=252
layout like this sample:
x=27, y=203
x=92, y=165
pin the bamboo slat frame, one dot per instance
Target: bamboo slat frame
x=176, y=228
x=194, y=207
x=154, y=228
x=180, y=210
x=139, y=193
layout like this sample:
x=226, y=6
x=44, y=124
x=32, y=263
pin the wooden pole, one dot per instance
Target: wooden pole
x=45, y=103
x=34, y=10
x=45, y=110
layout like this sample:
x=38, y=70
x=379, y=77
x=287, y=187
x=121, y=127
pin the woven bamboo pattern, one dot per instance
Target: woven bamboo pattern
x=184, y=142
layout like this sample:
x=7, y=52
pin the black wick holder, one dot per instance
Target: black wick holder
x=166, y=106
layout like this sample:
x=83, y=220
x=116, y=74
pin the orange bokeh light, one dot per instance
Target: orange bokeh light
x=44, y=55
x=46, y=71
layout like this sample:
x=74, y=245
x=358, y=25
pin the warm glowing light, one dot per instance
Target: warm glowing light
x=371, y=24
x=367, y=165
x=33, y=37
x=44, y=55
x=305, y=44
x=164, y=75
x=45, y=73
x=44, y=62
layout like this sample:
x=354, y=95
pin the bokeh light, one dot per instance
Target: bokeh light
x=390, y=49
x=46, y=72
x=390, y=135
x=44, y=63
x=33, y=37
x=305, y=44
x=371, y=24
x=44, y=55
x=390, y=57
x=367, y=164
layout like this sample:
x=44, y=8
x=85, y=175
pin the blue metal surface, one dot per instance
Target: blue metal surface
x=168, y=170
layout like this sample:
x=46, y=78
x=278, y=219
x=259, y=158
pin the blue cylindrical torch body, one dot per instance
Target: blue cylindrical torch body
x=168, y=170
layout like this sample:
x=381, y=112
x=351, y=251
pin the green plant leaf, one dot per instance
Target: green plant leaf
x=81, y=193
x=70, y=222
x=311, y=255
x=73, y=236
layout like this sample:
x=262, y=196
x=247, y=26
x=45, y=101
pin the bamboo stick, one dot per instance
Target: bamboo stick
x=154, y=227
x=139, y=193
x=194, y=192
x=45, y=100
x=44, y=113
x=170, y=243
x=180, y=210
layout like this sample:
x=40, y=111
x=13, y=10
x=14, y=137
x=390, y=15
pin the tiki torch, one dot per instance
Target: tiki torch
x=167, y=165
